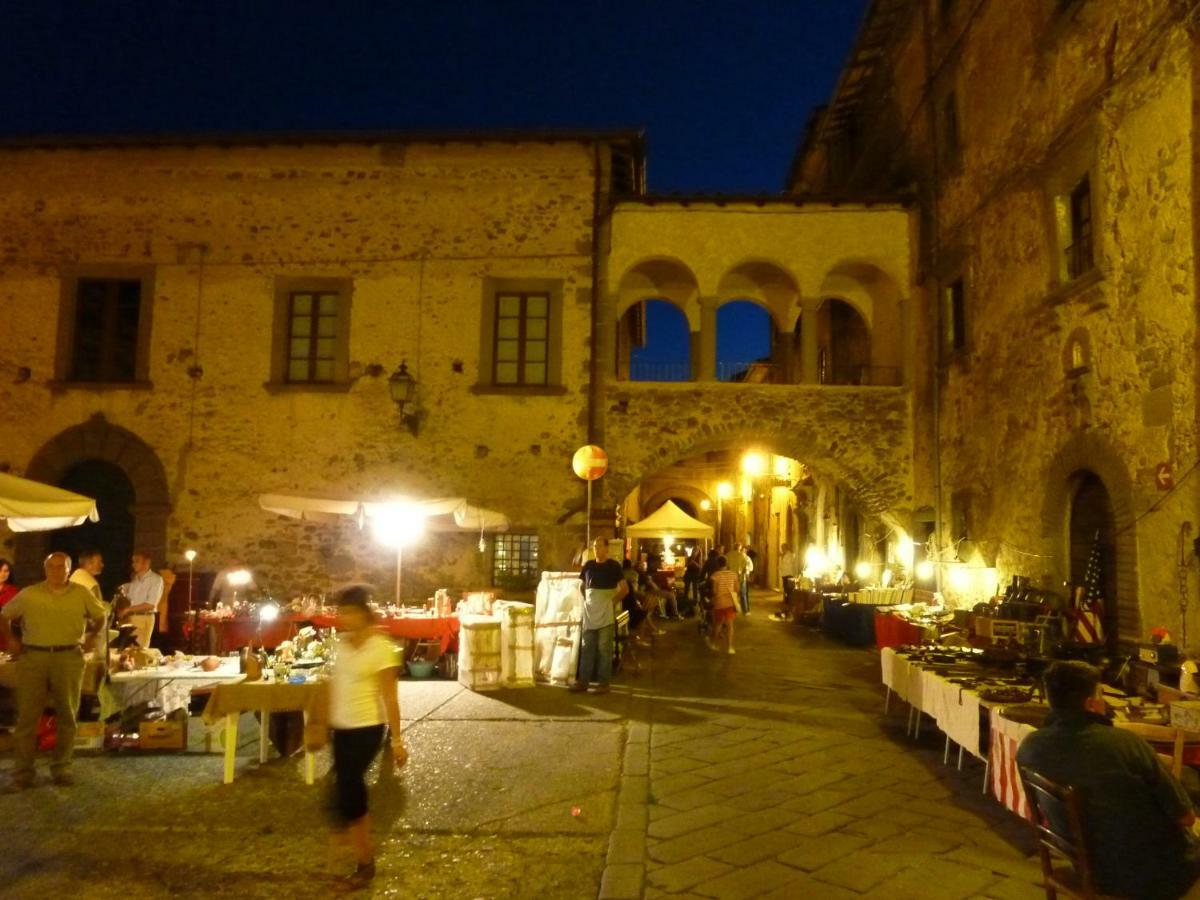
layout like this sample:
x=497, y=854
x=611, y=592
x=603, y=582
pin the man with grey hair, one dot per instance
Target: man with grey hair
x=53, y=614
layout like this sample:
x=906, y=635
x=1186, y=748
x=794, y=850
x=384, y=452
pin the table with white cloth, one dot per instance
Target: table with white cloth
x=170, y=687
x=956, y=709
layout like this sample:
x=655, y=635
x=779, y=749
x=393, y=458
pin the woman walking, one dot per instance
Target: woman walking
x=362, y=698
x=724, y=604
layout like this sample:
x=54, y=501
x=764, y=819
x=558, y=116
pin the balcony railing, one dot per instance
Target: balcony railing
x=660, y=371
x=863, y=376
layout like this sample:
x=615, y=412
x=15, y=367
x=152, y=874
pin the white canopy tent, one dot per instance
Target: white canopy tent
x=670, y=521
x=32, y=506
x=400, y=516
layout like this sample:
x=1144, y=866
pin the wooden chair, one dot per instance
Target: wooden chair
x=1162, y=736
x=1058, y=825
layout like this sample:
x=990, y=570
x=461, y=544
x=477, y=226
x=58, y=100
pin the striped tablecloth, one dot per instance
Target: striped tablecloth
x=1004, y=781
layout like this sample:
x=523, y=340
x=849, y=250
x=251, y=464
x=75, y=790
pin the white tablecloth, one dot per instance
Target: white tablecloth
x=955, y=709
x=170, y=687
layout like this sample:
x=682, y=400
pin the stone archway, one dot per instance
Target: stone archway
x=1088, y=452
x=98, y=439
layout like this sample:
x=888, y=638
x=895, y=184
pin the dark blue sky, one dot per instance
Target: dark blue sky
x=722, y=88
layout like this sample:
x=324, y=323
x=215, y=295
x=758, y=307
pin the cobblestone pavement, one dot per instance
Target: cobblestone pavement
x=769, y=773
x=773, y=773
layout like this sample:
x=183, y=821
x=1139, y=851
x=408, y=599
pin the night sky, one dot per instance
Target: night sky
x=723, y=89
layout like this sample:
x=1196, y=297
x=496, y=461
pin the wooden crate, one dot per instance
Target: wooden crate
x=163, y=734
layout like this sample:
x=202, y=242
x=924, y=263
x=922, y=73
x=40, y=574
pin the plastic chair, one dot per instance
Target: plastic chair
x=1057, y=820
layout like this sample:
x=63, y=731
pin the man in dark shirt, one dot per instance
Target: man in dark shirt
x=604, y=586
x=1136, y=814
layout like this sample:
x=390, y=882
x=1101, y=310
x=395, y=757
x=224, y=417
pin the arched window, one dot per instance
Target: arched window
x=654, y=342
x=744, y=336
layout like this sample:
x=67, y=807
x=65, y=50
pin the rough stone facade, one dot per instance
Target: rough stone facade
x=417, y=229
x=996, y=112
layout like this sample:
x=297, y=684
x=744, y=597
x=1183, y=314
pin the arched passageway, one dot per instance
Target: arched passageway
x=113, y=533
x=101, y=459
x=845, y=345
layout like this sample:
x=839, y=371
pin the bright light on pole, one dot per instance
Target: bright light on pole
x=398, y=526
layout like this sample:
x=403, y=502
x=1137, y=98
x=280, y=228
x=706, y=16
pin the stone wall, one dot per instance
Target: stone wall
x=416, y=227
x=860, y=437
x=1045, y=93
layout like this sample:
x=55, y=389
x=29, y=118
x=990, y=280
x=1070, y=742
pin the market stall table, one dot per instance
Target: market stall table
x=170, y=686
x=893, y=631
x=851, y=623
x=226, y=634
x=229, y=701
x=443, y=629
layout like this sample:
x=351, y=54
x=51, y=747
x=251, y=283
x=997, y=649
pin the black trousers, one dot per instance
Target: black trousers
x=354, y=749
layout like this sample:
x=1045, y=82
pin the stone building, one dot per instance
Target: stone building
x=193, y=322
x=1050, y=148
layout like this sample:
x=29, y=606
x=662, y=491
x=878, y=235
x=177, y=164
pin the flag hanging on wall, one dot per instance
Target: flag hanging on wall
x=1089, y=600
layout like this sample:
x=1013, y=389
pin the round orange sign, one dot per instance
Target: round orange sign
x=590, y=462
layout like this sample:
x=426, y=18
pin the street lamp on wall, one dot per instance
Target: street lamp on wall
x=403, y=388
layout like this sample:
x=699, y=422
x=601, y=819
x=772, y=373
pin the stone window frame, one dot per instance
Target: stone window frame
x=1062, y=175
x=492, y=288
x=285, y=287
x=962, y=519
x=64, y=356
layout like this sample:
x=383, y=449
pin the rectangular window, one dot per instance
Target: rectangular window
x=1080, y=255
x=312, y=337
x=515, y=558
x=107, y=319
x=951, y=133
x=521, y=340
x=956, y=316
x=961, y=524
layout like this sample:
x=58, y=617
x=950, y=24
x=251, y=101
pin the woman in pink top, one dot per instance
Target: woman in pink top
x=724, y=603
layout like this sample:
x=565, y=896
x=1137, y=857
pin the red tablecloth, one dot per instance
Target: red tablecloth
x=232, y=634
x=412, y=628
x=892, y=631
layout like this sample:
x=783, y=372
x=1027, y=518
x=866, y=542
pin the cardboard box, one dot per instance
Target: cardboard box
x=162, y=734
x=89, y=736
x=1185, y=714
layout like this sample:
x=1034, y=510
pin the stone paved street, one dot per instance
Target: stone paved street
x=770, y=773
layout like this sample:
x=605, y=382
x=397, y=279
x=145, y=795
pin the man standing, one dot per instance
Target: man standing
x=145, y=592
x=787, y=574
x=1137, y=815
x=604, y=586
x=53, y=615
x=91, y=564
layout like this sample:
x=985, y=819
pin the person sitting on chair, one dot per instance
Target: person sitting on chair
x=1136, y=814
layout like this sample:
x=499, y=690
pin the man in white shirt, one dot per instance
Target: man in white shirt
x=145, y=591
x=788, y=570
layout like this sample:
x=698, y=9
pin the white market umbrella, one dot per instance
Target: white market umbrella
x=669, y=521
x=32, y=506
x=435, y=514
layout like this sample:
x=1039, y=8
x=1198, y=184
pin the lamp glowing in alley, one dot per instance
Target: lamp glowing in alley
x=724, y=490
x=189, y=555
x=862, y=571
x=754, y=465
x=706, y=505
x=268, y=612
x=925, y=570
x=815, y=562
x=239, y=578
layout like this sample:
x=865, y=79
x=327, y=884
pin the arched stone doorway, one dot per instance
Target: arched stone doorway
x=1091, y=524
x=113, y=534
x=87, y=451
x=845, y=346
x=1088, y=489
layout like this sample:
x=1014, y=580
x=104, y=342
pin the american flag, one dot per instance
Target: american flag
x=1089, y=609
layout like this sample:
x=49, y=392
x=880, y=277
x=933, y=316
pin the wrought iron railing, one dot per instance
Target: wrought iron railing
x=1080, y=259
